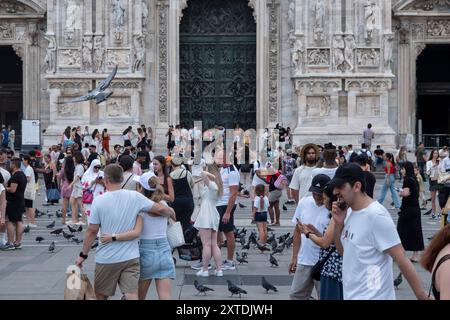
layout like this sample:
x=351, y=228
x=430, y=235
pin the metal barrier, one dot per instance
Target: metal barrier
x=430, y=141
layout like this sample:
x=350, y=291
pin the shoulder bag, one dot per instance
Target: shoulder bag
x=317, y=268
x=175, y=234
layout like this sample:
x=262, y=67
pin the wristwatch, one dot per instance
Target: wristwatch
x=82, y=255
x=114, y=237
x=307, y=234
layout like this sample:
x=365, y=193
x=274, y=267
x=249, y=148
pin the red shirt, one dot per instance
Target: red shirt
x=392, y=168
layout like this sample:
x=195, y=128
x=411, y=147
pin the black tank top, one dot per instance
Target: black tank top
x=437, y=294
x=181, y=187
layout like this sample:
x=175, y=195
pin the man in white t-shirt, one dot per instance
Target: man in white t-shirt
x=257, y=177
x=305, y=253
x=115, y=212
x=226, y=206
x=301, y=180
x=367, y=238
x=330, y=165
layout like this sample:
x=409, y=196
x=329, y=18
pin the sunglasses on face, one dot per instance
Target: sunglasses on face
x=97, y=167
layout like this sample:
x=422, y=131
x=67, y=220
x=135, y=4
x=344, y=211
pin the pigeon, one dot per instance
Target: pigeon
x=72, y=230
x=284, y=207
x=57, y=231
x=49, y=215
x=98, y=93
x=252, y=238
x=242, y=239
x=246, y=246
x=398, y=280
x=289, y=242
x=235, y=289
x=268, y=286
x=262, y=248
x=274, y=245
x=39, y=239
x=58, y=214
x=67, y=236
x=51, y=225
x=280, y=248
x=243, y=231
x=269, y=229
x=244, y=254
x=38, y=213
x=76, y=240
x=271, y=238
x=241, y=205
x=273, y=261
x=51, y=248
x=80, y=228
x=201, y=288
x=94, y=245
x=26, y=229
x=240, y=259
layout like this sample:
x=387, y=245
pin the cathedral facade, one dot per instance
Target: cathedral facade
x=324, y=68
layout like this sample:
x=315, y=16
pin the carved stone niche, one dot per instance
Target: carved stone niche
x=368, y=57
x=318, y=106
x=70, y=110
x=7, y=31
x=367, y=106
x=318, y=57
x=121, y=57
x=69, y=58
x=118, y=107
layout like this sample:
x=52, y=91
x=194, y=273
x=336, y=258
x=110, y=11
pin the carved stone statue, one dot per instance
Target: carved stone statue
x=145, y=15
x=118, y=11
x=139, y=53
x=73, y=15
x=297, y=54
x=87, y=53
x=372, y=19
x=349, y=53
x=99, y=54
x=33, y=34
x=50, y=56
x=319, y=20
x=339, y=58
x=387, y=48
x=291, y=16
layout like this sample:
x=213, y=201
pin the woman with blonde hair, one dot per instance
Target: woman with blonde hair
x=208, y=218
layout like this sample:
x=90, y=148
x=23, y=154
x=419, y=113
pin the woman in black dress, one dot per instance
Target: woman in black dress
x=409, y=225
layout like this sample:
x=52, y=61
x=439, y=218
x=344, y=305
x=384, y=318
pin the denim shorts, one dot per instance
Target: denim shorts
x=156, y=259
x=261, y=216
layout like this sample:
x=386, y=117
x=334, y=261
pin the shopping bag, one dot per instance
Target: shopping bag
x=78, y=286
x=175, y=234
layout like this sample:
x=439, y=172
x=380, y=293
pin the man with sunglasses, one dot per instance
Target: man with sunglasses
x=305, y=253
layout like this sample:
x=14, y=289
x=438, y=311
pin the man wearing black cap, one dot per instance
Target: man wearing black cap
x=305, y=253
x=366, y=237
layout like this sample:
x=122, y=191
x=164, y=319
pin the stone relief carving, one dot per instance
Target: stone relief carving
x=118, y=19
x=438, y=28
x=50, y=55
x=338, y=50
x=74, y=18
x=68, y=110
x=6, y=31
x=163, y=7
x=32, y=34
x=145, y=15
x=318, y=106
x=297, y=55
x=273, y=59
x=368, y=57
x=21, y=33
x=99, y=54
x=387, y=49
x=418, y=30
x=120, y=57
x=69, y=58
x=419, y=48
x=349, y=51
x=87, y=53
x=12, y=7
x=368, y=106
x=319, y=21
x=372, y=16
x=118, y=107
x=71, y=84
x=139, y=53
x=364, y=85
x=404, y=33
x=18, y=49
x=429, y=5
x=317, y=86
x=291, y=17
x=318, y=57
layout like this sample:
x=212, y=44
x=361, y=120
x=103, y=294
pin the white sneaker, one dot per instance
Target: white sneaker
x=199, y=266
x=218, y=273
x=32, y=225
x=202, y=273
x=228, y=265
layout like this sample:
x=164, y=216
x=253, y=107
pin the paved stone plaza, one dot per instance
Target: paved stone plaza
x=34, y=273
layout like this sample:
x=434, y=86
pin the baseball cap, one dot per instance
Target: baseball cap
x=348, y=172
x=143, y=180
x=319, y=182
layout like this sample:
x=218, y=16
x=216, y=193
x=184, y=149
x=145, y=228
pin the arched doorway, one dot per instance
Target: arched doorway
x=11, y=89
x=433, y=95
x=218, y=64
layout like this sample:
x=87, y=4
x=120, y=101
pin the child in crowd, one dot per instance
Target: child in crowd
x=259, y=212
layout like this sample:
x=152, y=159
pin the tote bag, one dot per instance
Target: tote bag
x=175, y=234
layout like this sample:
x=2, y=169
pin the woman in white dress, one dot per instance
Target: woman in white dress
x=92, y=180
x=207, y=220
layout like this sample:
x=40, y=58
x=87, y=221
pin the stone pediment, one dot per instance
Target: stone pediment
x=21, y=7
x=422, y=7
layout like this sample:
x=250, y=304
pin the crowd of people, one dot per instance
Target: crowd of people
x=128, y=196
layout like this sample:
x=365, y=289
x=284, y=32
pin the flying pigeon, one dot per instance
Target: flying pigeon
x=51, y=248
x=57, y=231
x=273, y=261
x=240, y=259
x=98, y=93
x=201, y=288
x=268, y=286
x=235, y=289
x=39, y=239
x=51, y=225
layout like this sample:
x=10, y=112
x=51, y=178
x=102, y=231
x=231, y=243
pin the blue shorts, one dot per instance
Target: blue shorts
x=156, y=259
x=261, y=216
